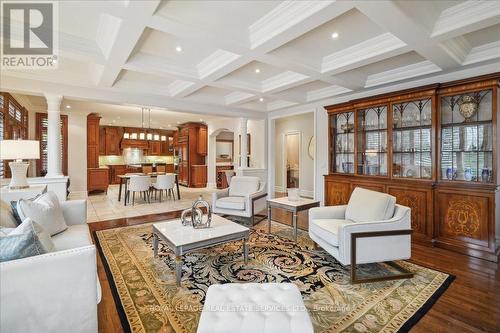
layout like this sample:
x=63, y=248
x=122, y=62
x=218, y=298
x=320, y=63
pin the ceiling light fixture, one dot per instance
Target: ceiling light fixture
x=178, y=48
x=261, y=99
x=257, y=70
x=335, y=35
x=68, y=106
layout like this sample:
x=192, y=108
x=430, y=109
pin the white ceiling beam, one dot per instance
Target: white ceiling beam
x=121, y=35
x=114, y=95
x=405, y=27
x=465, y=17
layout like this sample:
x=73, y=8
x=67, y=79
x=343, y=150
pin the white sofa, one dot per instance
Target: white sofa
x=385, y=224
x=245, y=196
x=57, y=291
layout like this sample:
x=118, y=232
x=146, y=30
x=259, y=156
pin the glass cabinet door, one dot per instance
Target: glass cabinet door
x=467, y=137
x=342, y=126
x=411, y=139
x=372, y=141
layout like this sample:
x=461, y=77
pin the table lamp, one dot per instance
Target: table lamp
x=18, y=150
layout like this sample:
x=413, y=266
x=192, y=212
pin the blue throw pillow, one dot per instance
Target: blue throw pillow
x=20, y=246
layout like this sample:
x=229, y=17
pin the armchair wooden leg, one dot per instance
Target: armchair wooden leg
x=403, y=273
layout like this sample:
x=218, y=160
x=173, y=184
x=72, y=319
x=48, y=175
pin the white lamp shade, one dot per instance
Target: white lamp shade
x=19, y=149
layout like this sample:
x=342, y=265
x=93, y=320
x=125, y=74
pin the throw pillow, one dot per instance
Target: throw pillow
x=44, y=210
x=6, y=216
x=28, y=239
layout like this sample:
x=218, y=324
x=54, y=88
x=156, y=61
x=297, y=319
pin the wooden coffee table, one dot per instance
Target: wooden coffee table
x=292, y=206
x=182, y=239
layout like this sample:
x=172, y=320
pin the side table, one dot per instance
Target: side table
x=292, y=206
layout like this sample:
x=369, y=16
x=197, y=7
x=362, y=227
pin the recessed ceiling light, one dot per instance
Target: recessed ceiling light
x=257, y=70
x=68, y=106
x=169, y=125
x=261, y=99
x=335, y=35
x=178, y=122
x=178, y=48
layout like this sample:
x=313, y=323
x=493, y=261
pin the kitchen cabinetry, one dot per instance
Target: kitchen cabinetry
x=202, y=141
x=189, y=148
x=97, y=178
x=113, y=137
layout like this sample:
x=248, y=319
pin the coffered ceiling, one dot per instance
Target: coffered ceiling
x=254, y=57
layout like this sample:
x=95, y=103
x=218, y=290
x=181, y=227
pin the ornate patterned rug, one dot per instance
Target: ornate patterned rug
x=148, y=300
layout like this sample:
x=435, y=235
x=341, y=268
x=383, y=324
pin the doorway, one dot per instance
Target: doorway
x=291, y=158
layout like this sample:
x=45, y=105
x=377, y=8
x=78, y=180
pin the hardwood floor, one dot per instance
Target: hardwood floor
x=471, y=303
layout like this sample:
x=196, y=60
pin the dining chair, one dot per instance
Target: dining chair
x=165, y=183
x=141, y=184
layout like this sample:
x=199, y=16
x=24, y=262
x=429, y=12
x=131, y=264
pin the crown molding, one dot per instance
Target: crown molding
x=468, y=13
x=283, y=17
x=482, y=53
x=458, y=48
x=214, y=62
x=334, y=90
x=238, y=97
x=281, y=80
x=275, y=105
x=402, y=73
x=383, y=44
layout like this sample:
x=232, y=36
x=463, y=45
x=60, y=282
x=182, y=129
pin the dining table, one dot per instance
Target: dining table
x=124, y=181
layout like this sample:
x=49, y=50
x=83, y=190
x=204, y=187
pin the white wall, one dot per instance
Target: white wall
x=303, y=123
x=321, y=153
x=257, y=130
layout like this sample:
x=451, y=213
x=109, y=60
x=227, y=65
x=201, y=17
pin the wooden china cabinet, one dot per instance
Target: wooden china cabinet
x=435, y=149
x=191, y=143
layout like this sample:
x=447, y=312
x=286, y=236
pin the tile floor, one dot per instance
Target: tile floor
x=102, y=207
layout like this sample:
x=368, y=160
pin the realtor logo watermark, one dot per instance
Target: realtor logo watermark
x=29, y=34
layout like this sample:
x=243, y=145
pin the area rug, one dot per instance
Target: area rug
x=149, y=301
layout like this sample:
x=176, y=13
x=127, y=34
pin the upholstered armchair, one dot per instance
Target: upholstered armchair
x=245, y=197
x=371, y=228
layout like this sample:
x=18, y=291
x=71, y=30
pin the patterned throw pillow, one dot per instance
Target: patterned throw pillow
x=28, y=239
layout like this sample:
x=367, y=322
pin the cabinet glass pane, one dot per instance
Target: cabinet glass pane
x=411, y=139
x=372, y=141
x=467, y=137
x=342, y=126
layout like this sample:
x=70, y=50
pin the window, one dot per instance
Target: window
x=41, y=135
x=13, y=125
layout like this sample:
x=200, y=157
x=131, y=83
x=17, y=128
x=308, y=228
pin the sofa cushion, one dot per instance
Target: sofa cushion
x=234, y=203
x=243, y=185
x=44, y=210
x=328, y=229
x=28, y=239
x=75, y=236
x=6, y=216
x=365, y=206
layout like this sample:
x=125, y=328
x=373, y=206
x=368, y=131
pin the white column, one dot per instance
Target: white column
x=244, y=143
x=54, y=153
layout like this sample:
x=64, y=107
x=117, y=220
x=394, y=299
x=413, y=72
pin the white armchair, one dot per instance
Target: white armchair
x=245, y=197
x=57, y=291
x=371, y=228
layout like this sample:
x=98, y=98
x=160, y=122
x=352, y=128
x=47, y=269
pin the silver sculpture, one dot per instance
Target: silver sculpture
x=197, y=219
